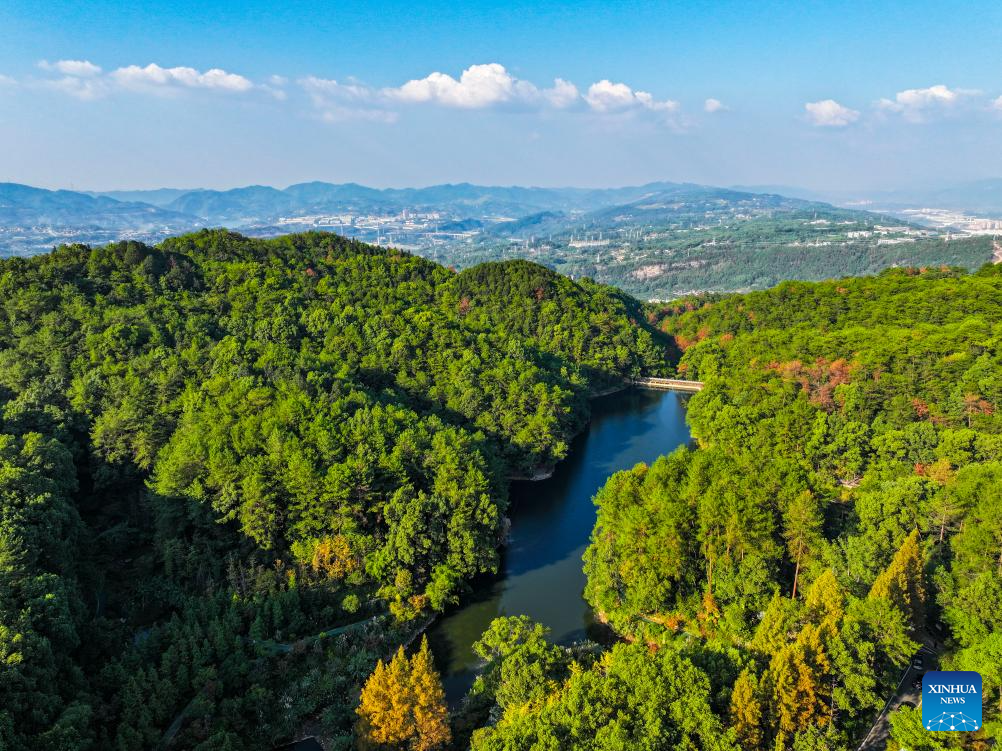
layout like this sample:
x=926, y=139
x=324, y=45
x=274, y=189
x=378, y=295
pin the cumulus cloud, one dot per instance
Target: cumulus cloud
x=562, y=94
x=85, y=80
x=78, y=86
x=828, y=113
x=916, y=105
x=479, y=86
x=78, y=78
x=76, y=68
x=712, y=105
x=606, y=96
x=484, y=86
x=275, y=85
x=153, y=77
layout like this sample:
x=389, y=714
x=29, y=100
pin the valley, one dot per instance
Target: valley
x=240, y=474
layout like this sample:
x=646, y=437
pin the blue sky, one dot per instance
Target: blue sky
x=849, y=95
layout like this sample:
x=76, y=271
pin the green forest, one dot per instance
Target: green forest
x=732, y=243
x=239, y=477
x=839, y=508
x=235, y=472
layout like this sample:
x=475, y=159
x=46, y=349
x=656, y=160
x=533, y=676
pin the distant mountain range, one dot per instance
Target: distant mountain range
x=22, y=205
x=33, y=219
x=258, y=205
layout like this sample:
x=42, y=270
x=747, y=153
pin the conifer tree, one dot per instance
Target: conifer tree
x=384, y=719
x=431, y=717
x=825, y=601
x=746, y=712
x=902, y=582
x=797, y=674
x=802, y=533
x=403, y=705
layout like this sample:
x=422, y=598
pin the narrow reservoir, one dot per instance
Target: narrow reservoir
x=541, y=569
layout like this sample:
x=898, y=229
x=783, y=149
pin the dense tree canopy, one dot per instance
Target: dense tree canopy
x=628, y=698
x=221, y=455
x=235, y=474
x=841, y=496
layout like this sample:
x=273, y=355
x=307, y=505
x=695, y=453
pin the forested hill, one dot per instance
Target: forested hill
x=217, y=446
x=841, y=508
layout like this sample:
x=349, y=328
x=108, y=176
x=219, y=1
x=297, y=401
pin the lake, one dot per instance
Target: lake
x=541, y=569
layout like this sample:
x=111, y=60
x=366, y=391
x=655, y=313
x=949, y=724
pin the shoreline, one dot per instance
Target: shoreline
x=545, y=471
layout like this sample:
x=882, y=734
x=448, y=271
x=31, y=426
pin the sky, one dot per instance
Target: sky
x=104, y=95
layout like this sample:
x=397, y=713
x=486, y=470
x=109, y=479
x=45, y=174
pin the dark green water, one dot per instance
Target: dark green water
x=541, y=570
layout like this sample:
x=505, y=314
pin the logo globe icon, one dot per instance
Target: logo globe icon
x=952, y=721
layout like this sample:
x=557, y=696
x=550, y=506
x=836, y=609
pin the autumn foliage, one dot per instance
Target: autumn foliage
x=333, y=557
x=819, y=379
x=403, y=705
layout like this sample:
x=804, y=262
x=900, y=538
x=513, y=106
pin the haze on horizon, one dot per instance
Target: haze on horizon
x=832, y=96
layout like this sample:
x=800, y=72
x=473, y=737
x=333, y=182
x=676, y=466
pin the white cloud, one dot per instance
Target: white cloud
x=712, y=105
x=76, y=68
x=606, y=96
x=81, y=88
x=562, y=95
x=485, y=86
x=479, y=86
x=828, y=113
x=85, y=80
x=916, y=105
x=153, y=77
x=7, y=81
x=276, y=87
x=997, y=103
x=79, y=78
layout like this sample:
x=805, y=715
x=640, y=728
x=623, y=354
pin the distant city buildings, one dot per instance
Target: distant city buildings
x=956, y=220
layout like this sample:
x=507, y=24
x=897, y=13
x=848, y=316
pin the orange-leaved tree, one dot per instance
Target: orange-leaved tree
x=403, y=705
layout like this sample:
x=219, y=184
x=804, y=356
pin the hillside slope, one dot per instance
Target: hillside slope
x=219, y=446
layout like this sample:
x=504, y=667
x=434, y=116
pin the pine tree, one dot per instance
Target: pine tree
x=746, y=712
x=802, y=533
x=902, y=582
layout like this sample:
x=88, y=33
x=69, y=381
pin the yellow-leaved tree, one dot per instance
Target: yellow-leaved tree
x=403, y=705
x=431, y=717
x=799, y=677
x=903, y=581
x=746, y=712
